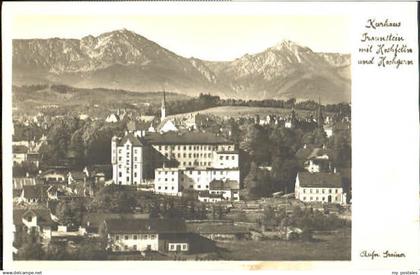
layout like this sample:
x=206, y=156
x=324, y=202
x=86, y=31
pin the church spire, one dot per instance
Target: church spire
x=163, y=107
x=320, y=118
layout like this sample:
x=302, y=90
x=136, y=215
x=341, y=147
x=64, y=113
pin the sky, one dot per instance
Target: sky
x=209, y=37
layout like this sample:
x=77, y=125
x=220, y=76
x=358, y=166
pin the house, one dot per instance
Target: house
x=20, y=154
x=53, y=176
x=320, y=187
x=39, y=220
x=219, y=231
x=35, y=194
x=228, y=189
x=315, y=159
x=18, y=183
x=131, y=235
x=166, y=126
x=206, y=196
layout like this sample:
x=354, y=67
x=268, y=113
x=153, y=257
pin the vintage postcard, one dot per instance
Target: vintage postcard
x=210, y=136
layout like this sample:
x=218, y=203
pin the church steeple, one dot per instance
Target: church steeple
x=163, y=107
x=320, y=117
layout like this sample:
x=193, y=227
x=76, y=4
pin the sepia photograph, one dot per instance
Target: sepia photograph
x=181, y=138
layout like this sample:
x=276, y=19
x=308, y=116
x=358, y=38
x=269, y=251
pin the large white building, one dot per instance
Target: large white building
x=127, y=160
x=319, y=187
x=174, y=161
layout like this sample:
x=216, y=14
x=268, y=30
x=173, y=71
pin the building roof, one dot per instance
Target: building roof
x=135, y=141
x=43, y=215
x=223, y=185
x=156, y=226
x=207, y=194
x=319, y=180
x=20, y=149
x=185, y=138
x=312, y=152
x=92, y=220
x=214, y=228
x=18, y=183
x=35, y=191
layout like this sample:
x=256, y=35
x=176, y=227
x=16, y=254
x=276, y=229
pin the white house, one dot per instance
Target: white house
x=166, y=235
x=319, y=187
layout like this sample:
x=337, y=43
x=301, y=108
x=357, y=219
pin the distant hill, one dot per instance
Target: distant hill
x=31, y=98
x=125, y=60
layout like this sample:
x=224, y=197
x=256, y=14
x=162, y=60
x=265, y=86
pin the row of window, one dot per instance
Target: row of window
x=194, y=147
x=136, y=236
x=166, y=188
x=318, y=198
x=120, y=174
x=316, y=190
x=175, y=247
x=134, y=248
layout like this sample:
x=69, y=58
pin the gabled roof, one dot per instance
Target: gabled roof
x=312, y=152
x=35, y=191
x=135, y=141
x=43, y=216
x=156, y=226
x=319, y=180
x=224, y=185
x=185, y=138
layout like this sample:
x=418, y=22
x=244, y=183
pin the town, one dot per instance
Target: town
x=187, y=179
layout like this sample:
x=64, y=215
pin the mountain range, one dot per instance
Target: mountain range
x=122, y=59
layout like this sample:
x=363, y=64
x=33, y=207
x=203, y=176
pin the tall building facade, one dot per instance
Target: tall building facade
x=127, y=157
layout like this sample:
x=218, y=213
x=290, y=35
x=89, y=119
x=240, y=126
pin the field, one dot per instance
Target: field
x=335, y=246
x=244, y=111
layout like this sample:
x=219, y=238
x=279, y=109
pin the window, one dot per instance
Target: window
x=330, y=191
x=304, y=191
x=227, y=157
x=184, y=247
x=173, y=188
x=304, y=198
x=134, y=247
x=336, y=191
x=221, y=158
x=125, y=247
x=134, y=237
x=135, y=158
x=120, y=174
x=126, y=237
x=128, y=178
x=171, y=247
x=316, y=191
x=191, y=186
x=159, y=188
x=166, y=187
x=117, y=237
x=323, y=191
x=135, y=174
x=166, y=179
x=120, y=158
x=152, y=237
x=198, y=186
x=146, y=236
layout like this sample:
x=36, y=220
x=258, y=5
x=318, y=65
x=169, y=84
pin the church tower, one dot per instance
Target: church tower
x=320, y=117
x=163, y=107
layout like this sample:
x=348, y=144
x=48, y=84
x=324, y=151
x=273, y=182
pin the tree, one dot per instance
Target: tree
x=70, y=213
x=31, y=248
